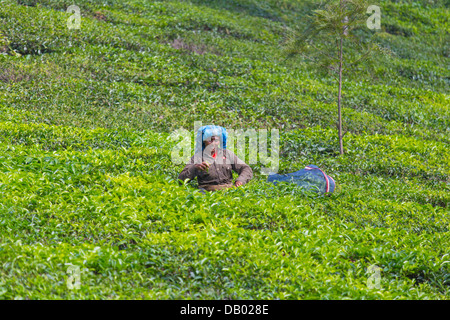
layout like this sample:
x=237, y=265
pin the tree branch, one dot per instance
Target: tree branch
x=361, y=58
x=323, y=52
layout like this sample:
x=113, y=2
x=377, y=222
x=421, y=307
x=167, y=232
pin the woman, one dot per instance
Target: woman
x=213, y=164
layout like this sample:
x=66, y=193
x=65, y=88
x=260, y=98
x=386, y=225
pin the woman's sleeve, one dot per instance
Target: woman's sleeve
x=189, y=171
x=241, y=168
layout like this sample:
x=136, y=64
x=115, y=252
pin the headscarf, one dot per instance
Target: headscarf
x=208, y=131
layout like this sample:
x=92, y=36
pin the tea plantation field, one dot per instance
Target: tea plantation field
x=86, y=177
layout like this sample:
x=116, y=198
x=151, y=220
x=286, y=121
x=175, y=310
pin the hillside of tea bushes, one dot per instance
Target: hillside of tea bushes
x=86, y=177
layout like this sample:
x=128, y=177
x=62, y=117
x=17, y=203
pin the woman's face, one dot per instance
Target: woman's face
x=214, y=140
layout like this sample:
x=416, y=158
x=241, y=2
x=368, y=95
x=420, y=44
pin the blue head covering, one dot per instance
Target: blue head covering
x=208, y=131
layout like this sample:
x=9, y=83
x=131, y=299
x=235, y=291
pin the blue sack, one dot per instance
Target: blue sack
x=311, y=178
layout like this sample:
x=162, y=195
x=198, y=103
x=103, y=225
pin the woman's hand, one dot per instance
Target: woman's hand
x=204, y=166
x=238, y=183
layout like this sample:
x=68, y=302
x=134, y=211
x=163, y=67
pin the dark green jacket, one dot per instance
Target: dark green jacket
x=218, y=173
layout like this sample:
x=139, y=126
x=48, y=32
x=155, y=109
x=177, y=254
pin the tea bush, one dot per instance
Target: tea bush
x=86, y=177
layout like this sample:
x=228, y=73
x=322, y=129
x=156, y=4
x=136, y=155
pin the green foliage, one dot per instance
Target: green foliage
x=86, y=177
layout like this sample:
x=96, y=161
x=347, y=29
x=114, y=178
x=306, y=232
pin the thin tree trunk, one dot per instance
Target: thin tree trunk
x=341, y=143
